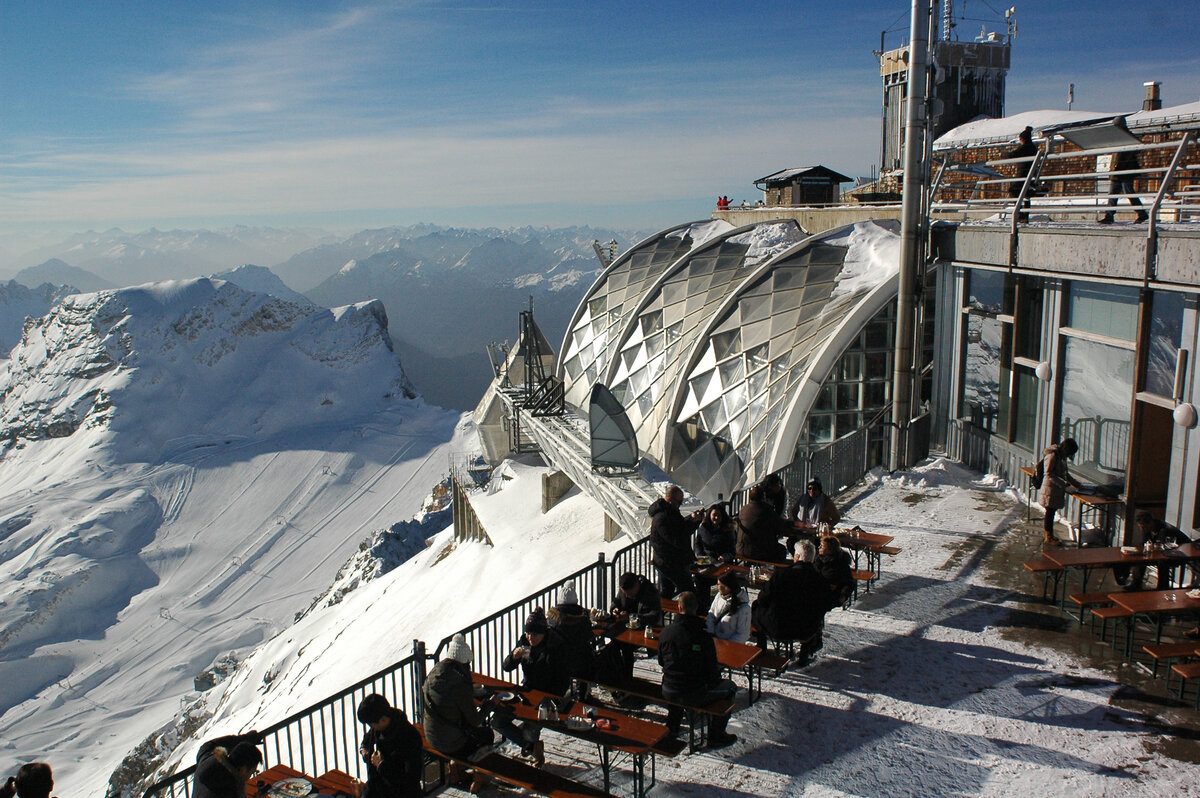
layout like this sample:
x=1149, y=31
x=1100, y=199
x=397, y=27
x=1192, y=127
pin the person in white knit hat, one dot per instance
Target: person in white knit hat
x=454, y=724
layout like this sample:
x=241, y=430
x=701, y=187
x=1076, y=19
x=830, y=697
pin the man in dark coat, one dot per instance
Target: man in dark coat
x=760, y=528
x=540, y=657
x=392, y=750
x=671, y=542
x=1123, y=181
x=1025, y=149
x=33, y=780
x=793, y=604
x=1153, y=532
x=691, y=674
x=636, y=597
x=833, y=564
x=224, y=765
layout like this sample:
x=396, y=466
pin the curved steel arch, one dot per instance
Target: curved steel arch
x=820, y=359
x=621, y=263
x=650, y=436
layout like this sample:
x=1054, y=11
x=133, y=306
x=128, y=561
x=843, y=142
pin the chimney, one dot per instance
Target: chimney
x=1153, y=101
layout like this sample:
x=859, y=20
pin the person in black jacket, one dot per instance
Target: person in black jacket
x=833, y=565
x=691, y=674
x=760, y=528
x=225, y=764
x=1025, y=149
x=392, y=750
x=636, y=597
x=571, y=629
x=540, y=657
x=793, y=604
x=33, y=780
x=671, y=542
x=716, y=539
x=1156, y=532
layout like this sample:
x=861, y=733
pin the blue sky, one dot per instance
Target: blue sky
x=346, y=115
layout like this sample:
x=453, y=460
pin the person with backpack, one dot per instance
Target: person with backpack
x=1055, y=481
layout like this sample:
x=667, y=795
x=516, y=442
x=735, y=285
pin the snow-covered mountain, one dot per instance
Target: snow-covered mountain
x=57, y=272
x=18, y=303
x=185, y=466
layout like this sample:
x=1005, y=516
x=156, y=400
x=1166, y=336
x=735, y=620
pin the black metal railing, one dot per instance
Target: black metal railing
x=325, y=736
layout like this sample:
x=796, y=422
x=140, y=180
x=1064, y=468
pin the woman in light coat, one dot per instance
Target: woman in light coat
x=1055, y=482
x=729, y=613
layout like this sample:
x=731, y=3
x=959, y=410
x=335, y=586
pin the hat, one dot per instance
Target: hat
x=814, y=483
x=245, y=755
x=536, y=622
x=567, y=594
x=459, y=651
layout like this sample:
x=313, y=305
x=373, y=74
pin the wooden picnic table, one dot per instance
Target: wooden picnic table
x=632, y=736
x=736, y=656
x=1156, y=605
x=1088, y=559
x=334, y=782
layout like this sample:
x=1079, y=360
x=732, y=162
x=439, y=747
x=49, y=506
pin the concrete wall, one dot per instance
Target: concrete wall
x=815, y=220
x=555, y=485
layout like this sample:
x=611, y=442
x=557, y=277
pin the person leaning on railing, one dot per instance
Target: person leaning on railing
x=225, y=764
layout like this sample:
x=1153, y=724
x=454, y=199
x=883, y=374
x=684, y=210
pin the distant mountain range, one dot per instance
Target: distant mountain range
x=447, y=291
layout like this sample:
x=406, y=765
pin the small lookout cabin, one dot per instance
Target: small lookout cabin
x=806, y=185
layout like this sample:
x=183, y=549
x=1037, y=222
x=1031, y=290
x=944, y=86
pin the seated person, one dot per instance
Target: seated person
x=775, y=493
x=571, y=627
x=392, y=750
x=454, y=724
x=729, y=615
x=716, y=538
x=223, y=766
x=1151, y=530
x=760, y=528
x=793, y=604
x=815, y=508
x=636, y=597
x=36, y=780
x=540, y=657
x=833, y=565
x=691, y=674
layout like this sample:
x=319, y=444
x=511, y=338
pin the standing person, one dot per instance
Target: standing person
x=760, y=528
x=671, y=542
x=1055, y=482
x=392, y=750
x=775, y=493
x=454, y=725
x=729, y=615
x=815, y=508
x=1124, y=184
x=223, y=767
x=36, y=780
x=691, y=674
x=1025, y=149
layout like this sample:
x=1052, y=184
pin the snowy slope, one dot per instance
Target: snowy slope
x=185, y=467
x=18, y=303
x=927, y=687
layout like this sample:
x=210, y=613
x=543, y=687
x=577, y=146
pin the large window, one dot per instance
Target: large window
x=1166, y=333
x=987, y=355
x=1097, y=375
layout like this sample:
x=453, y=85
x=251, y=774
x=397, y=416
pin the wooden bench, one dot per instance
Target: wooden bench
x=1189, y=671
x=1106, y=614
x=1170, y=651
x=1046, y=568
x=864, y=577
x=1086, y=601
x=519, y=774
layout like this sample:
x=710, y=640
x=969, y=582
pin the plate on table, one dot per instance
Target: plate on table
x=290, y=788
x=505, y=695
x=1193, y=594
x=605, y=724
x=1129, y=549
x=579, y=722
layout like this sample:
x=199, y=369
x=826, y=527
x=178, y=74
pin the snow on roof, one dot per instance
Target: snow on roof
x=985, y=130
x=787, y=174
